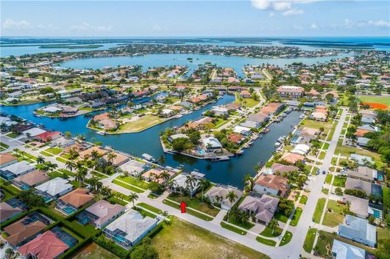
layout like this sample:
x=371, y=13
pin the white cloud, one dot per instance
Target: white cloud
x=13, y=24
x=271, y=14
x=379, y=23
x=87, y=27
x=313, y=26
x=293, y=12
x=285, y=6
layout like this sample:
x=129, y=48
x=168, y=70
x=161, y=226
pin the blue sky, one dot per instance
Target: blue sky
x=259, y=18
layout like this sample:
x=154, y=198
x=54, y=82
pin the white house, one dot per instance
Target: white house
x=54, y=188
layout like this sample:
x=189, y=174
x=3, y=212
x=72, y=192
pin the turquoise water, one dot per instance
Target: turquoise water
x=158, y=60
x=227, y=172
x=377, y=213
x=69, y=210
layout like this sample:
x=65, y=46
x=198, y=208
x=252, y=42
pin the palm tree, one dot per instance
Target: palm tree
x=203, y=184
x=219, y=198
x=273, y=224
x=165, y=176
x=105, y=191
x=94, y=155
x=95, y=183
x=52, y=166
x=190, y=182
x=40, y=160
x=111, y=157
x=133, y=197
x=248, y=179
x=231, y=196
x=70, y=165
x=80, y=175
x=73, y=154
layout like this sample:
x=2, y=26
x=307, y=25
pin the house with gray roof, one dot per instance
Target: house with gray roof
x=130, y=228
x=54, y=188
x=222, y=191
x=358, y=206
x=262, y=208
x=358, y=230
x=341, y=250
x=362, y=141
x=17, y=169
x=361, y=160
x=103, y=213
x=364, y=173
x=358, y=184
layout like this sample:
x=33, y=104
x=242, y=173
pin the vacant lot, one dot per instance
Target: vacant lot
x=141, y=124
x=184, y=240
x=94, y=251
x=334, y=214
x=375, y=99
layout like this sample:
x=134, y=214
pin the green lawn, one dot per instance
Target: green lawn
x=325, y=191
x=286, y=238
x=334, y=214
x=297, y=215
x=324, y=244
x=12, y=135
x=189, y=211
x=141, y=124
x=280, y=217
x=125, y=185
x=309, y=240
x=318, y=211
x=267, y=232
x=195, y=203
x=133, y=181
x=339, y=181
x=303, y=199
x=53, y=150
x=375, y=99
x=232, y=228
x=149, y=207
x=328, y=178
x=265, y=241
x=3, y=145
x=181, y=239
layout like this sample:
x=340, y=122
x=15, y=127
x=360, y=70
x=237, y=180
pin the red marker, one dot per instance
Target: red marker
x=183, y=207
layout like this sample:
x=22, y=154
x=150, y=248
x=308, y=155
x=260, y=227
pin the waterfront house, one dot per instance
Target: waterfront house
x=74, y=200
x=258, y=117
x=101, y=213
x=31, y=179
x=118, y=160
x=8, y=211
x=262, y=208
x=16, y=169
x=199, y=124
x=220, y=192
x=130, y=228
x=358, y=206
x=31, y=133
x=62, y=142
x=155, y=175
x=246, y=131
x=45, y=246
x=180, y=184
x=341, y=250
x=133, y=167
x=292, y=158
x=290, y=91
x=211, y=144
x=54, y=188
x=87, y=153
x=7, y=159
x=249, y=125
x=48, y=136
x=177, y=136
x=301, y=149
x=281, y=168
x=358, y=230
x=25, y=229
x=271, y=184
x=236, y=138
x=219, y=111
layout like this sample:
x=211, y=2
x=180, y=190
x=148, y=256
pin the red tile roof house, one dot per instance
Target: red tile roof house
x=292, y=158
x=23, y=231
x=236, y=138
x=73, y=201
x=7, y=159
x=45, y=246
x=48, y=136
x=31, y=179
x=245, y=94
x=271, y=184
x=290, y=91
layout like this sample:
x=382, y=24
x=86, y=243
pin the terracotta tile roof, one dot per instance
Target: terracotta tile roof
x=7, y=211
x=6, y=158
x=48, y=135
x=33, y=178
x=274, y=182
x=19, y=231
x=45, y=246
x=292, y=158
x=77, y=198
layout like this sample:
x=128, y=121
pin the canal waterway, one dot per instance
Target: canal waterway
x=227, y=172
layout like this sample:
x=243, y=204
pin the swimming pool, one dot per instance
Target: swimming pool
x=377, y=213
x=68, y=210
